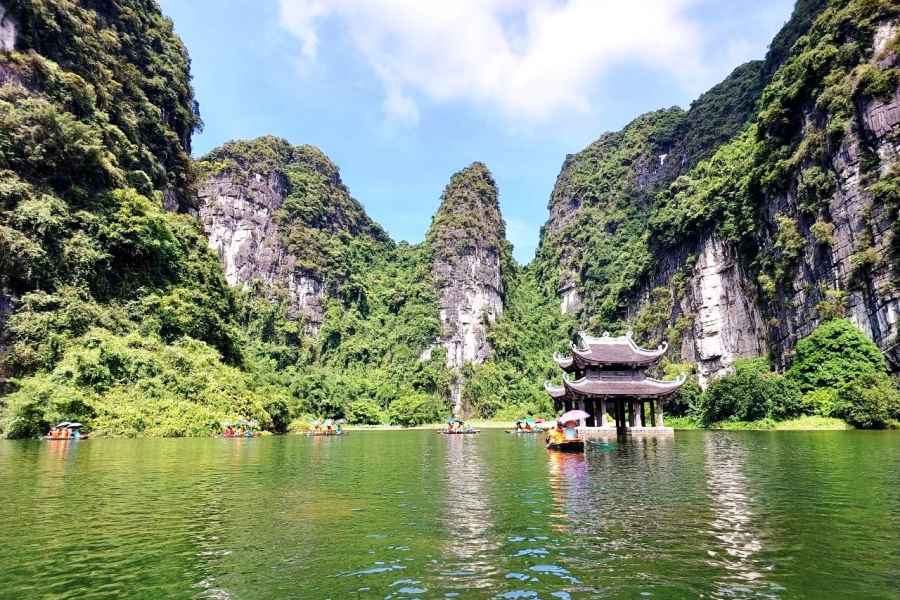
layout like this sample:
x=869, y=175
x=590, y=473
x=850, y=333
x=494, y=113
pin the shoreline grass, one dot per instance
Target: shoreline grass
x=804, y=423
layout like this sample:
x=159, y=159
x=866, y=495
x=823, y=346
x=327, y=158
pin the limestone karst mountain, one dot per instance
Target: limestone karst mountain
x=742, y=247
x=731, y=229
x=279, y=215
x=467, y=241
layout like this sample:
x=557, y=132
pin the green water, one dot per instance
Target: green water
x=420, y=515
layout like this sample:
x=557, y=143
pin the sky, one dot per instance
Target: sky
x=401, y=94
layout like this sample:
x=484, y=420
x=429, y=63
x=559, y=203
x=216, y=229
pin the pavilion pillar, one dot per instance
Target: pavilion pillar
x=640, y=407
x=658, y=421
x=602, y=405
x=632, y=413
x=652, y=412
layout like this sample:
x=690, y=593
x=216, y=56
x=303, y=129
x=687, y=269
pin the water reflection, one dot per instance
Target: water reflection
x=733, y=525
x=570, y=485
x=468, y=518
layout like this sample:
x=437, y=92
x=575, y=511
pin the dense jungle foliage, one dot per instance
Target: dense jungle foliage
x=122, y=316
x=836, y=372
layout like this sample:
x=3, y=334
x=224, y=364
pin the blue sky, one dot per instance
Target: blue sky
x=403, y=93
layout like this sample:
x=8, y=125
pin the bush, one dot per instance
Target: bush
x=869, y=402
x=682, y=402
x=751, y=393
x=137, y=385
x=834, y=354
x=416, y=409
x=821, y=402
x=364, y=412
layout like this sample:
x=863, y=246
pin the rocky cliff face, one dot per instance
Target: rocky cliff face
x=853, y=263
x=609, y=189
x=726, y=321
x=7, y=31
x=468, y=245
x=802, y=256
x=239, y=219
x=278, y=216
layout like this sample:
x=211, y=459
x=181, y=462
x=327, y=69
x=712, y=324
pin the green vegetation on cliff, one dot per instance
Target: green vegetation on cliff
x=837, y=372
x=112, y=293
x=511, y=383
x=468, y=217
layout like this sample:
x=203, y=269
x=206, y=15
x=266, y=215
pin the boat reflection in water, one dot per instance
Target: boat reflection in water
x=733, y=526
x=571, y=488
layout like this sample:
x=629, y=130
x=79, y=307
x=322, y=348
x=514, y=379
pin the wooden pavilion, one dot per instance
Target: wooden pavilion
x=609, y=382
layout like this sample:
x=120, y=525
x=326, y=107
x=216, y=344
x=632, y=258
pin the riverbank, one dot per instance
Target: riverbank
x=804, y=423
x=475, y=424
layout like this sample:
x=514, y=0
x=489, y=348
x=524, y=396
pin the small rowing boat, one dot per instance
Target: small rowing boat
x=574, y=445
x=461, y=432
x=518, y=431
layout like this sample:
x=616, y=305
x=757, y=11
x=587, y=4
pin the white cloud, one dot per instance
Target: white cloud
x=529, y=59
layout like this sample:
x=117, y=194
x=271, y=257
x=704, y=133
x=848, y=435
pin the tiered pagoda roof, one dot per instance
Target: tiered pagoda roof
x=635, y=385
x=608, y=351
x=611, y=367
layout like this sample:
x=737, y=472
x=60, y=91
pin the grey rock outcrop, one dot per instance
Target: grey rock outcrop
x=238, y=216
x=727, y=323
x=8, y=31
x=278, y=215
x=467, y=240
x=862, y=227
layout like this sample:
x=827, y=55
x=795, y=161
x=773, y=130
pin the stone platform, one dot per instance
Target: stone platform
x=605, y=432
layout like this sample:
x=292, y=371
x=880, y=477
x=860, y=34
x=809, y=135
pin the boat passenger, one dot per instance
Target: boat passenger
x=556, y=434
x=570, y=431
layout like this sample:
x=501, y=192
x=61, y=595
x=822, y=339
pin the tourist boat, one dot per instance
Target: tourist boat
x=535, y=426
x=460, y=428
x=248, y=429
x=74, y=430
x=329, y=427
x=574, y=445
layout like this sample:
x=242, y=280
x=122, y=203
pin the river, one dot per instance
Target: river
x=414, y=514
